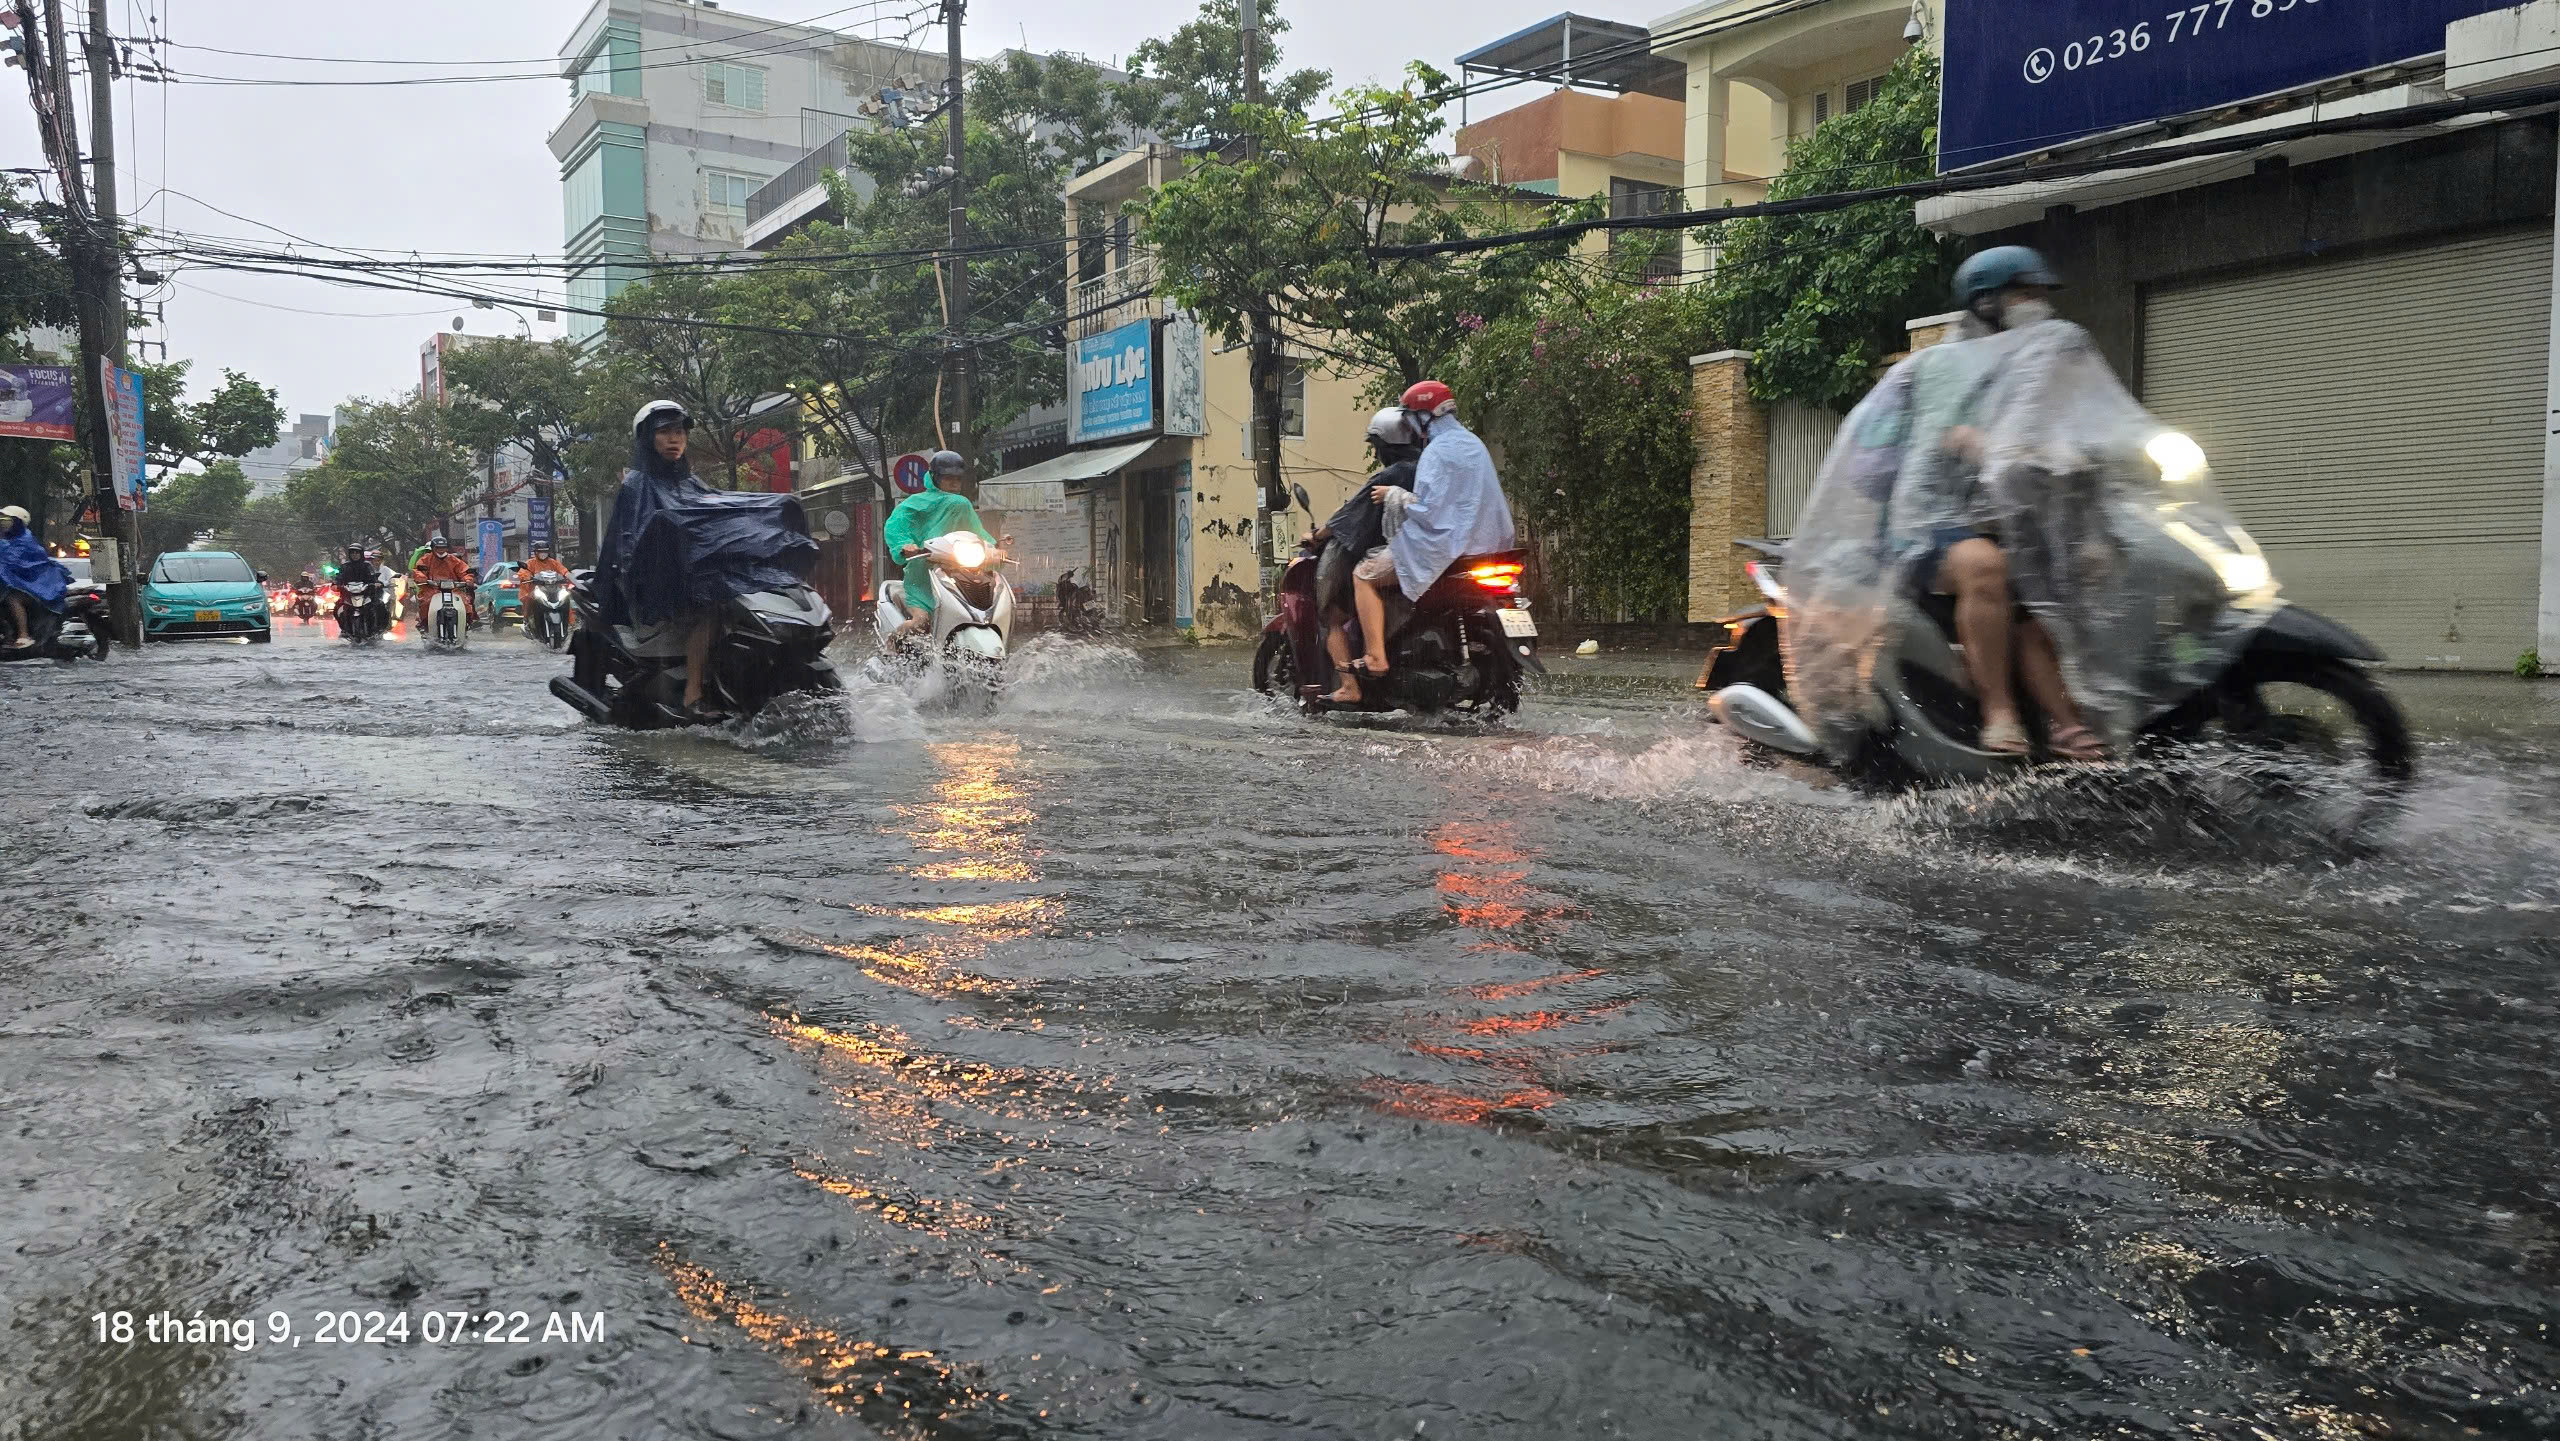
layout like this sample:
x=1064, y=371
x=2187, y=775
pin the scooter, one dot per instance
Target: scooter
x=545, y=610
x=771, y=644
x=78, y=631
x=1464, y=646
x=446, y=622
x=360, y=615
x=1933, y=727
x=972, y=617
x=306, y=605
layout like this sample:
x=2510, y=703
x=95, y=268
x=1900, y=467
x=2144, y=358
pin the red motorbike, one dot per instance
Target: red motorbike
x=1464, y=646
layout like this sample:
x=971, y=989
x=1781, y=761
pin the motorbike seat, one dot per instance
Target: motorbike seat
x=652, y=642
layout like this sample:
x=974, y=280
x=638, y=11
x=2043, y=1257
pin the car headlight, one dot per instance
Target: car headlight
x=158, y=609
x=2181, y=460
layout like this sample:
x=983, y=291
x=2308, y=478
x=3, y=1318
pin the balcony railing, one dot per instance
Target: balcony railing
x=1104, y=301
x=803, y=173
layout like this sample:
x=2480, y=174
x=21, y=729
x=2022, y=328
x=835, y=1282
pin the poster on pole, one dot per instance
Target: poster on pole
x=537, y=519
x=493, y=543
x=36, y=404
x=123, y=390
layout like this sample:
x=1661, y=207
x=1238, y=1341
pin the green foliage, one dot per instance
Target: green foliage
x=1299, y=224
x=393, y=472
x=1586, y=396
x=2529, y=664
x=238, y=417
x=184, y=506
x=1823, y=299
x=273, y=538
x=708, y=372
x=569, y=417
x=1190, y=83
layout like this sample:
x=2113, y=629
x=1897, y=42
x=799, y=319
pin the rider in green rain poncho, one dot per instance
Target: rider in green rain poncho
x=946, y=504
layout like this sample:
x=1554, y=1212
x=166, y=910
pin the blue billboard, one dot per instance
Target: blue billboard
x=2026, y=75
x=1111, y=384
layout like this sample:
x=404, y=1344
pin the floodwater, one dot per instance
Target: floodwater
x=1138, y=1062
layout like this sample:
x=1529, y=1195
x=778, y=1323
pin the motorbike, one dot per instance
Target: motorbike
x=359, y=612
x=79, y=631
x=445, y=622
x=972, y=616
x=1932, y=725
x=771, y=643
x=1077, y=614
x=545, y=610
x=306, y=605
x=1463, y=647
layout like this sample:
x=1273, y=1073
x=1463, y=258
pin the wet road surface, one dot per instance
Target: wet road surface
x=1140, y=1062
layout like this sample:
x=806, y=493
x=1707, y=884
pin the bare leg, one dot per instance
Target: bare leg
x=18, y=615
x=697, y=659
x=1337, y=644
x=1372, y=601
x=1977, y=575
x=2040, y=670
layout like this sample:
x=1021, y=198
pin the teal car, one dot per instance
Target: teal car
x=497, y=600
x=192, y=593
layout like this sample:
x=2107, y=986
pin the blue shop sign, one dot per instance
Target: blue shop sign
x=1112, y=386
x=2026, y=75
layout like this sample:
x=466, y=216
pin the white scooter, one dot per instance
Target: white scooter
x=972, y=617
x=445, y=623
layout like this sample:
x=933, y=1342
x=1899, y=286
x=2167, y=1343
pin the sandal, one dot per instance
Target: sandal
x=2076, y=743
x=2008, y=738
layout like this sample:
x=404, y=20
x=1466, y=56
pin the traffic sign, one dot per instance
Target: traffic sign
x=909, y=472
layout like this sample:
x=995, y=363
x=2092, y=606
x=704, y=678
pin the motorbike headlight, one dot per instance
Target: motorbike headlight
x=2243, y=574
x=968, y=553
x=2181, y=460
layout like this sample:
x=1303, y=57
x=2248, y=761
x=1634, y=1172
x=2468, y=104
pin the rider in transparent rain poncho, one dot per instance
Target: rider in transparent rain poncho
x=2020, y=435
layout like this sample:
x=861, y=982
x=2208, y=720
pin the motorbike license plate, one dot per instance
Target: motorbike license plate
x=1517, y=624
x=209, y=617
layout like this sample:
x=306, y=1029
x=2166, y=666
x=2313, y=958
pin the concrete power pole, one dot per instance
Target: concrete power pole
x=124, y=601
x=1263, y=371
x=957, y=159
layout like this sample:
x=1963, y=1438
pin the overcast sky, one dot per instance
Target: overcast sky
x=465, y=167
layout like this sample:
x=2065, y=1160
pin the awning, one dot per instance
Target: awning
x=1076, y=465
x=1580, y=50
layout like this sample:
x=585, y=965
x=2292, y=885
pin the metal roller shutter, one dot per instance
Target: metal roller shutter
x=2377, y=423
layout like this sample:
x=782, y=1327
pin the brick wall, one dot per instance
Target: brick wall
x=1729, y=490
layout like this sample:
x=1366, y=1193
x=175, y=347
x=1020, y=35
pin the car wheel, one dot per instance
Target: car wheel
x=262, y=637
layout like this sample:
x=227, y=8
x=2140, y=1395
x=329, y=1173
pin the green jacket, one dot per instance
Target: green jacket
x=929, y=513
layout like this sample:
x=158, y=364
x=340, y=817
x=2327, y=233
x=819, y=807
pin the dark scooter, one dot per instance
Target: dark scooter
x=771, y=643
x=79, y=631
x=1464, y=646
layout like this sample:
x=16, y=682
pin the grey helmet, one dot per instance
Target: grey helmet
x=946, y=462
x=1997, y=269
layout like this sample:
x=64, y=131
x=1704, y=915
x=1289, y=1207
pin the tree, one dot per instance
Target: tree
x=240, y=416
x=274, y=538
x=1823, y=299
x=35, y=289
x=652, y=344
x=1587, y=396
x=393, y=473
x=569, y=417
x=1189, y=84
x=185, y=506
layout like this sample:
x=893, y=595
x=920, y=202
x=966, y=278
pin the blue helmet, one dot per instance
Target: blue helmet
x=1997, y=269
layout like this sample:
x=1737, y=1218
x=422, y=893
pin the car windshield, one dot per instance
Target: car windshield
x=190, y=569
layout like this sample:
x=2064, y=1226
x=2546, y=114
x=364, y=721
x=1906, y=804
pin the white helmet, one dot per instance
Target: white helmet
x=1393, y=426
x=17, y=513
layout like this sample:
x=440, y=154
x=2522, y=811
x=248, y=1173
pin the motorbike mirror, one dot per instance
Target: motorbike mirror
x=1304, y=503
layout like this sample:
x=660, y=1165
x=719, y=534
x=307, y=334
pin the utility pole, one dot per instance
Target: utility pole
x=124, y=601
x=960, y=438
x=1263, y=371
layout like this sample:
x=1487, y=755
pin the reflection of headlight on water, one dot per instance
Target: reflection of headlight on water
x=2180, y=459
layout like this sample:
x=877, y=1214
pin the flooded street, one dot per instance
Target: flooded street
x=1141, y=1061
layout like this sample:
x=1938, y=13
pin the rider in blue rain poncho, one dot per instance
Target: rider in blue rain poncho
x=676, y=550
x=1456, y=508
x=27, y=573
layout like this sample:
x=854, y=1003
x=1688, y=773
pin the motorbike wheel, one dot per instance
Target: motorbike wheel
x=1275, y=667
x=2252, y=716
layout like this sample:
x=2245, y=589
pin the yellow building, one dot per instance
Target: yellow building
x=1154, y=505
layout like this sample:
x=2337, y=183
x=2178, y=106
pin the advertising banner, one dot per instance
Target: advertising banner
x=2027, y=75
x=493, y=543
x=123, y=390
x=537, y=519
x=1111, y=384
x=36, y=402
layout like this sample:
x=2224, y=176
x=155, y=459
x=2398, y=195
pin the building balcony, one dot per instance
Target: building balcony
x=1114, y=298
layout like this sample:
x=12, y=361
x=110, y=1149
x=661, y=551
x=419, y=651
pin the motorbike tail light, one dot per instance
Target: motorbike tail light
x=1501, y=575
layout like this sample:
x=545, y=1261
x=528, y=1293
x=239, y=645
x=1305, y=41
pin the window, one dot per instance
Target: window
x=1293, y=406
x=739, y=87
x=727, y=191
x=1821, y=108
x=1632, y=198
x=1862, y=92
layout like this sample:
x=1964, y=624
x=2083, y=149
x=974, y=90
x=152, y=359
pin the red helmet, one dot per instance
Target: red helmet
x=1430, y=397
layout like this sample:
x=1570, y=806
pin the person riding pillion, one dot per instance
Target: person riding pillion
x=1456, y=508
x=945, y=506
x=1357, y=530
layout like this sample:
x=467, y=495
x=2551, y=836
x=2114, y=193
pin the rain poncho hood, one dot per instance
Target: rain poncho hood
x=2058, y=475
x=27, y=569
x=921, y=517
x=1457, y=509
x=676, y=546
